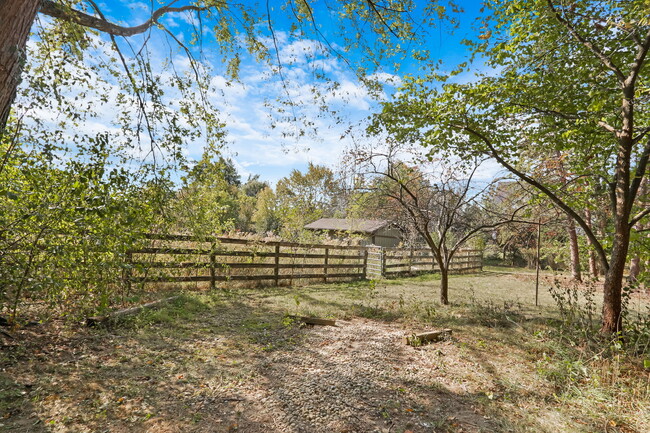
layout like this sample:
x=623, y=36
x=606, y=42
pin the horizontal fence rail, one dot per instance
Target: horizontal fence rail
x=400, y=261
x=185, y=259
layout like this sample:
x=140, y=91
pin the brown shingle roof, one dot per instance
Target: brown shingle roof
x=348, y=225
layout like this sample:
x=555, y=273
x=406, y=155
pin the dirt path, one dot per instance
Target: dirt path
x=356, y=377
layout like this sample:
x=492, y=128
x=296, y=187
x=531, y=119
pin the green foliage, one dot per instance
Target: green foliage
x=266, y=217
x=207, y=202
x=566, y=80
x=303, y=198
x=579, y=320
x=66, y=227
x=531, y=104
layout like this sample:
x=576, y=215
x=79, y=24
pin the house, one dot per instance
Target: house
x=373, y=232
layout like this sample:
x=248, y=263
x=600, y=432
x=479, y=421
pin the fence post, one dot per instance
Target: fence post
x=326, y=262
x=213, y=265
x=276, y=269
x=382, y=259
x=433, y=260
x=365, y=263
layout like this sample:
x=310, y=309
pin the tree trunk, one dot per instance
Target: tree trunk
x=593, y=263
x=575, y=251
x=16, y=19
x=444, y=285
x=612, y=288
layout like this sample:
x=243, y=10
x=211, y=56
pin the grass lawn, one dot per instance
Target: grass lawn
x=234, y=361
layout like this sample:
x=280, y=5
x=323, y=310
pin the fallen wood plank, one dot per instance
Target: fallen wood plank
x=103, y=320
x=427, y=337
x=314, y=320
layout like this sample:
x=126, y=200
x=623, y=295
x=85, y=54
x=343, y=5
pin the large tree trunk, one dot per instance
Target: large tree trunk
x=612, y=288
x=16, y=19
x=575, y=251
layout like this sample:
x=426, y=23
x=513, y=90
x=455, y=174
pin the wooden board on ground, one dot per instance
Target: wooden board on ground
x=427, y=337
x=116, y=315
x=314, y=320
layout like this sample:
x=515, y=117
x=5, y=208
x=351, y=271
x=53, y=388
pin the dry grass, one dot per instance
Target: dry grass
x=200, y=364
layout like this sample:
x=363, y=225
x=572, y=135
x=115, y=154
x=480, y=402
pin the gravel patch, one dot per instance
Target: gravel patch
x=356, y=377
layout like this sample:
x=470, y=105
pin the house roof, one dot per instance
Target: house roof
x=348, y=225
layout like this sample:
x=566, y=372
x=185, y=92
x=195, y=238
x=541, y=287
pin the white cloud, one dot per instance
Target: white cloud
x=263, y=138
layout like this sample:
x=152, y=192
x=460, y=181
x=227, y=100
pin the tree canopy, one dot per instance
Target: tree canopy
x=566, y=79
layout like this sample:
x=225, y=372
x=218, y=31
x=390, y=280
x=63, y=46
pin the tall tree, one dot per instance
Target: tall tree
x=208, y=203
x=266, y=217
x=565, y=76
x=305, y=197
x=442, y=201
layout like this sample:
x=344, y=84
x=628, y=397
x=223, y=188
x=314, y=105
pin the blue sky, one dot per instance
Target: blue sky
x=257, y=135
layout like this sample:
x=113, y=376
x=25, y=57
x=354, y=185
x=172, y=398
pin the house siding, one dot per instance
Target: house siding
x=387, y=238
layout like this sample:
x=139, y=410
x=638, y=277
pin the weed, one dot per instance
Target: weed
x=414, y=340
x=494, y=315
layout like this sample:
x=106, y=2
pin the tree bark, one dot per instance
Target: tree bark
x=593, y=263
x=575, y=251
x=16, y=19
x=612, y=288
x=444, y=285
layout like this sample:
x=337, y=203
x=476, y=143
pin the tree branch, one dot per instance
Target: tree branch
x=639, y=59
x=554, y=198
x=605, y=60
x=57, y=10
x=639, y=173
x=639, y=217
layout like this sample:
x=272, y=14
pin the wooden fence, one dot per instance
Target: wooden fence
x=400, y=261
x=184, y=259
x=181, y=259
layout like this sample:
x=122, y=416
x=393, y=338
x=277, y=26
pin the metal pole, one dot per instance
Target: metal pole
x=539, y=236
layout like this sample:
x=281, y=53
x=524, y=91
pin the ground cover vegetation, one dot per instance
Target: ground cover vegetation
x=236, y=361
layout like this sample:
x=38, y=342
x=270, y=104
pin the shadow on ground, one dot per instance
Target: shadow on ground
x=234, y=362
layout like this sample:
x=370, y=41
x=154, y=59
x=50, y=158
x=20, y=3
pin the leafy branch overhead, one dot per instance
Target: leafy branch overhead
x=241, y=31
